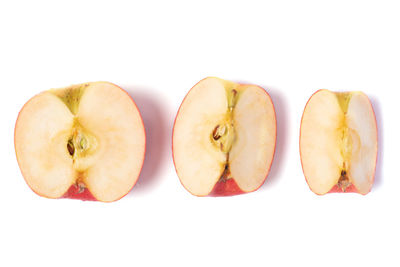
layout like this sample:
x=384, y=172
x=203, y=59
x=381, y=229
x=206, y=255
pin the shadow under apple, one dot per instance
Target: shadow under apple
x=281, y=113
x=157, y=134
x=379, y=123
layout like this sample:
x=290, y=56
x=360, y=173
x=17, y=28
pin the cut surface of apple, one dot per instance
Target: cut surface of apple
x=338, y=142
x=224, y=138
x=85, y=141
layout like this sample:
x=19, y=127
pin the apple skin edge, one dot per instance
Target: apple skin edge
x=224, y=187
x=336, y=188
x=73, y=191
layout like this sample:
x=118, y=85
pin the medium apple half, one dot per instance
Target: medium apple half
x=224, y=138
x=85, y=141
x=338, y=142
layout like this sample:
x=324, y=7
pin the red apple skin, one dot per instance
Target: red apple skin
x=336, y=188
x=350, y=189
x=73, y=191
x=229, y=187
x=224, y=188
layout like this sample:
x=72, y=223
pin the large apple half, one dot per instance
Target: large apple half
x=85, y=141
x=224, y=138
x=338, y=142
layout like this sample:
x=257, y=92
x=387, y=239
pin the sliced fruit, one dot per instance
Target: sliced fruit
x=224, y=138
x=338, y=142
x=85, y=141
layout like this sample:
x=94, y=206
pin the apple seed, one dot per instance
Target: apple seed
x=70, y=147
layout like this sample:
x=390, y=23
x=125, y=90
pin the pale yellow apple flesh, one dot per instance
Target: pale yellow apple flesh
x=338, y=142
x=224, y=130
x=91, y=135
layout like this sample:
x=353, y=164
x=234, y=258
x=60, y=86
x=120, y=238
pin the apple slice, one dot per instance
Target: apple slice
x=338, y=142
x=224, y=138
x=85, y=141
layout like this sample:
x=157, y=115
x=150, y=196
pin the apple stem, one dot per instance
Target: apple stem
x=81, y=188
x=344, y=181
x=225, y=174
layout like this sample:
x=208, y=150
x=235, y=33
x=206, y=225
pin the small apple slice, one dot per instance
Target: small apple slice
x=224, y=138
x=338, y=142
x=85, y=141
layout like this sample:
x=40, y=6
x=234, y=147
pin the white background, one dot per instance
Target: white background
x=157, y=51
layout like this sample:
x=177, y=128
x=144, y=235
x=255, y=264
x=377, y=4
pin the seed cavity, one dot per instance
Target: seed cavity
x=80, y=143
x=223, y=135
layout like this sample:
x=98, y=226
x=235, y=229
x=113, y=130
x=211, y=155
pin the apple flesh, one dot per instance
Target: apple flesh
x=338, y=142
x=85, y=141
x=224, y=138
